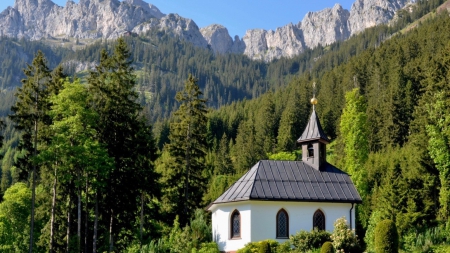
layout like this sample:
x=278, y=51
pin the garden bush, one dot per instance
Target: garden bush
x=264, y=247
x=344, y=239
x=254, y=247
x=327, y=247
x=304, y=241
x=386, y=237
x=209, y=247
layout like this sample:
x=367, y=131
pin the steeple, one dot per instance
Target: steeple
x=314, y=140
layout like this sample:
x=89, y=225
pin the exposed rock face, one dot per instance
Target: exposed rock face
x=175, y=25
x=92, y=19
x=218, y=38
x=326, y=26
x=89, y=19
x=369, y=13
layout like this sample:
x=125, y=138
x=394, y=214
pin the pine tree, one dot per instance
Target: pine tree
x=127, y=138
x=185, y=181
x=291, y=123
x=31, y=119
x=2, y=127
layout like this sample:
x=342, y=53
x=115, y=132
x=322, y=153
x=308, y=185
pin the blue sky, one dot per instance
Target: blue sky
x=236, y=15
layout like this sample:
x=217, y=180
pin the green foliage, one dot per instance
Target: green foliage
x=304, y=240
x=128, y=141
x=439, y=146
x=255, y=247
x=430, y=240
x=369, y=238
x=286, y=156
x=185, y=177
x=14, y=219
x=217, y=186
x=195, y=237
x=264, y=247
x=208, y=247
x=344, y=239
x=386, y=237
x=354, y=134
x=327, y=247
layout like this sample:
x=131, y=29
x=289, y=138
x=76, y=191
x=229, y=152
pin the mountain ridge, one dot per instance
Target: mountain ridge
x=110, y=19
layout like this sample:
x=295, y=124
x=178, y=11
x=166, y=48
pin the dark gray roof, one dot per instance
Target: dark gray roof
x=292, y=181
x=313, y=130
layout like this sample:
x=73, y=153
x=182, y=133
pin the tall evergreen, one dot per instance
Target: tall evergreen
x=185, y=180
x=31, y=119
x=2, y=126
x=128, y=139
x=293, y=119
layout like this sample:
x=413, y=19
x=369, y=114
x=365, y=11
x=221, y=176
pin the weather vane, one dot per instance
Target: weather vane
x=314, y=100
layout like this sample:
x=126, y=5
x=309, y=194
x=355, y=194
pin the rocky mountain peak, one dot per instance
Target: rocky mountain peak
x=109, y=19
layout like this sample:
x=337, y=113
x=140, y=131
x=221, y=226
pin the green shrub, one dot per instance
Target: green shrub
x=264, y=247
x=344, y=239
x=254, y=247
x=209, y=247
x=386, y=237
x=304, y=241
x=374, y=219
x=327, y=247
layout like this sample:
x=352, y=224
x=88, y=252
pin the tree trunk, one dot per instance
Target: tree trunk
x=142, y=219
x=68, y=224
x=33, y=180
x=94, y=243
x=86, y=218
x=79, y=214
x=110, y=231
x=186, y=184
x=52, y=218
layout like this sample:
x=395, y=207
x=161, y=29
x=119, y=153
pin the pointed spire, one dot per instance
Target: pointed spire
x=313, y=130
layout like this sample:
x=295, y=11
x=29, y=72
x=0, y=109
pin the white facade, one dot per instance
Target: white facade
x=258, y=219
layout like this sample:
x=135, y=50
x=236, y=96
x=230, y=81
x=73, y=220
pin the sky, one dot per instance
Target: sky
x=237, y=16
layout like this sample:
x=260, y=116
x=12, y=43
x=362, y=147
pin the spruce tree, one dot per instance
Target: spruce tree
x=185, y=179
x=127, y=138
x=2, y=126
x=31, y=119
x=291, y=123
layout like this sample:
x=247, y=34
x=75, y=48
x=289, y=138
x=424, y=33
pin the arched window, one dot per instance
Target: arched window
x=282, y=224
x=310, y=150
x=235, y=225
x=319, y=220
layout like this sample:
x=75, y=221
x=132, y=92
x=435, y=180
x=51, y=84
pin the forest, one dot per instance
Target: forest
x=99, y=160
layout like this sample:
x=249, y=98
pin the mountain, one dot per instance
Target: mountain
x=109, y=19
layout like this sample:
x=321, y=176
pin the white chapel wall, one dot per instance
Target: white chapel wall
x=300, y=216
x=258, y=220
x=221, y=226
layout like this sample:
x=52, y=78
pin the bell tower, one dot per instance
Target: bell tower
x=314, y=140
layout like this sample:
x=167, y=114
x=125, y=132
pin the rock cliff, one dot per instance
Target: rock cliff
x=109, y=19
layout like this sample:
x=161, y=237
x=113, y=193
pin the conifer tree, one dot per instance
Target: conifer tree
x=291, y=123
x=127, y=138
x=266, y=124
x=2, y=126
x=185, y=180
x=31, y=119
